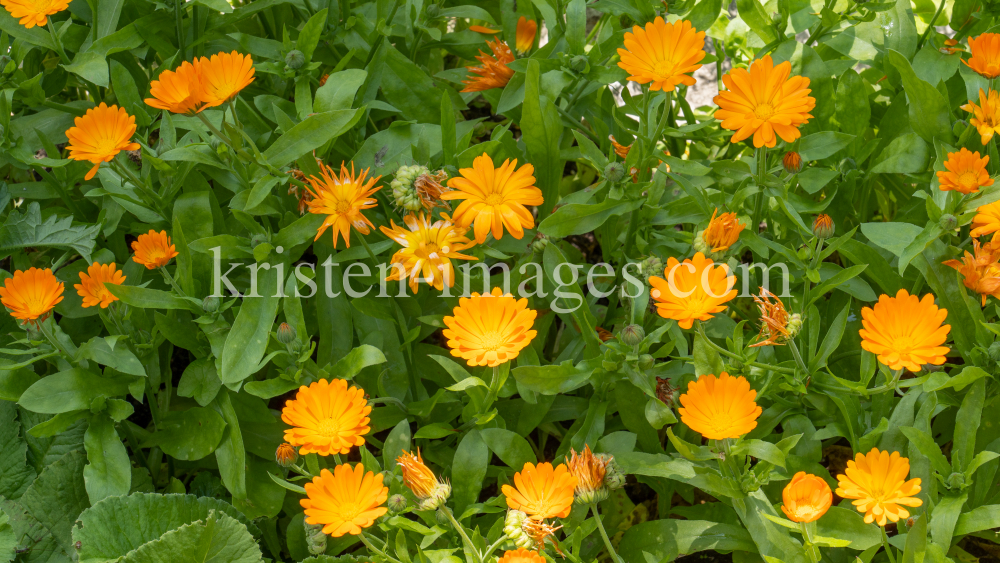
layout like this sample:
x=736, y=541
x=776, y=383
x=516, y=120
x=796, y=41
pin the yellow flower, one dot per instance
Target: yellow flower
x=877, y=484
x=720, y=407
x=177, y=91
x=495, y=198
x=92, y=285
x=589, y=471
x=428, y=249
x=980, y=270
x=327, y=418
x=986, y=116
x=342, y=199
x=987, y=221
x=100, y=135
x=31, y=294
x=693, y=290
x=34, y=12
x=806, y=498
x=764, y=102
x=985, y=59
x=521, y=556
x=345, y=501
x=493, y=72
x=541, y=491
x=286, y=454
x=223, y=76
x=965, y=172
x=722, y=231
x=663, y=53
x=430, y=492
x=526, y=30
x=153, y=249
x=905, y=331
x=488, y=330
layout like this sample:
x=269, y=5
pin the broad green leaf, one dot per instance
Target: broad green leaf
x=108, y=472
x=314, y=132
x=967, y=422
x=339, y=90
x=553, y=379
x=247, y=340
x=396, y=443
x=28, y=230
x=822, y=145
x=580, y=218
x=542, y=130
x=231, y=453
x=511, y=448
x=216, y=539
x=147, y=298
x=119, y=357
x=188, y=434
x=468, y=469
x=667, y=538
x=356, y=360
x=53, y=502
x=930, y=116
x=15, y=473
x=70, y=390
x=200, y=381
x=906, y=154
x=755, y=16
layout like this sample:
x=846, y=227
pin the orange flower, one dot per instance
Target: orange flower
x=177, y=91
x=905, y=331
x=495, y=197
x=153, y=249
x=965, y=172
x=34, y=12
x=776, y=325
x=620, y=150
x=345, y=501
x=526, y=30
x=980, y=270
x=431, y=493
x=488, y=330
x=542, y=492
x=877, y=484
x=806, y=498
x=987, y=221
x=92, y=284
x=328, y=417
x=286, y=455
x=342, y=199
x=428, y=249
x=721, y=233
x=693, y=290
x=951, y=47
x=589, y=471
x=100, y=135
x=493, y=72
x=792, y=162
x=483, y=29
x=223, y=76
x=663, y=54
x=521, y=556
x=986, y=116
x=764, y=102
x=823, y=226
x=985, y=59
x=31, y=294
x=720, y=407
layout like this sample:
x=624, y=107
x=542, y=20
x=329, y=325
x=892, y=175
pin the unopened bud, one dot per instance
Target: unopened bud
x=286, y=333
x=646, y=361
x=580, y=63
x=210, y=304
x=948, y=222
x=539, y=244
x=651, y=266
x=432, y=11
x=632, y=335
x=315, y=538
x=286, y=455
x=397, y=504
x=257, y=239
x=823, y=226
x=794, y=325
x=295, y=59
x=513, y=529
x=792, y=162
x=614, y=172
x=613, y=476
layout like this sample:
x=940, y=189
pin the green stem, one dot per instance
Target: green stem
x=758, y=207
x=701, y=330
x=807, y=535
x=491, y=395
x=461, y=531
x=369, y=545
x=58, y=42
x=51, y=337
x=604, y=534
x=301, y=470
x=930, y=26
x=797, y=356
x=180, y=28
x=885, y=544
x=130, y=436
x=171, y=281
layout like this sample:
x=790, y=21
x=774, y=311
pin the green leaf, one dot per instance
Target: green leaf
x=189, y=434
x=8, y=540
x=553, y=379
x=15, y=473
x=200, y=381
x=118, y=357
x=150, y=298
x=967, y=422
x=356, y=360
x=53, y=502
x=929, y=109
x=542, y=130
x=70, y=390
x=580, y=218
x=834, y=334
x=848, y=524
x=397, y=442
x=823, y=145
x=310, y=34
x=894, y=237
x=90, y=66
x=906, y=154
x=753, y=13
x=247, y=340
x=339, y=90
x=468, y=469
x=217, y=539
x=27, y=230
x=667, y=538
x=314, y=132
x=925, y=443
x=511, y=448
x=944, y=518
x=109, y=471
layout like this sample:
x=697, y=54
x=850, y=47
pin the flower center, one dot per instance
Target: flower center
x=329, y=428
x=492, y=340
x=154, y=254
x=969, y=180
x=427, y=250
x=663, y=69
x=764, y=111
x=343, y=206
x=494, y=199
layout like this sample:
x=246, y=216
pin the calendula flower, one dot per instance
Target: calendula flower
x=693, y=290
x=431, y=493
x=483, y=29
x=31, y=294
x=495, y=198
x=177, y=91
x=985, y=59
x=526, y=30
x=223, y=76
x=965, y=172
x=92, y=284
x=720, y=407
x=326, y=418
x=905, y=331
x=488, y=330
x=589, y=471
x=620, y=149
x=100, y=135
x=987, y=221
x=286, y=454
x=986, y=116
x=980, y=270
x=823, y=226
x=342, y=199
x=663, y=54
x=764, y=102
x=493, y=71
x=345, y=501
x=951, y=47
x=792, y=162
x=34, y=12
x=542, y=491
x=153, y=249
x=428, y=249
x=877, y=484
x=806, y=498
x=776, y=325
x=521, y=556
x=722, y=232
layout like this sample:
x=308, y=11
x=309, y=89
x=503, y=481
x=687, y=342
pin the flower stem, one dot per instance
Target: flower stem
x=58, y=42
x=171, y=281
x=758, y=206
x=604, y=534
x=727, y=353
x=51, y=337
x=461, y=531
x=885, y=544
x=807, y=536
x=797, y=356
x=365, y=540
x=491, y=395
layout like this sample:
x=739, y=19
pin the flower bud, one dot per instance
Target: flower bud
x=286, y=455
x=433, y=11
x=210, y=304
x=590, y=471
x=792, y=162
x=579, y=63
x=315, y=538
x=794, y=325
x=397, y=504
x=514, y=529
x=295, y=59
x=779, y=21
x=257, y=239
x=613, y=476
x=646, y=361
x=956, y=481
x=614, y=172
x=948, y=222
x=632, y=335
x=286, y=333
x=541, y=241
x=823, y=226
x=651, y=266
x=431, y=493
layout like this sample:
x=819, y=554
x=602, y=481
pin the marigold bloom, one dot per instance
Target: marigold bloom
x=663, y=54
x=153, y=249
x=430, y=492
x=720, y=407
x=526, y=30
x=986, y=116
x=980, y=270
x=493, y=71
x=985, y=59
x=100, y=135
x=31, y=294
x=342, y=199
x=905, y=331
x=764, y=102
x=823, y=226
x=776, y=325
x=877, y=484
x=693, y=290
x=428, y=249
x=326, y=418
x=286, y=455
x=620, y=149
x=589, y=471
x=965, y=172
x=542, y=491
x=495, y=198
x=987, y=221
x=722, y=232
x=521, y=556
x=806, y=498
x=177, y=91
x=92, y=284
x=792, y=162
x=488, y=330
x=34, y=12
x=223, y=76
x=345, y=501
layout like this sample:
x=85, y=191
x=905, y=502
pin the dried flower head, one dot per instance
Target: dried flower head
x=493, y=71
x=589, y=471
x=431, y=492
x=776, y=325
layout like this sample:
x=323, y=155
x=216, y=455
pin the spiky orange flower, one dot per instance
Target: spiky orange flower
x=493, y=71
x=31, y=294
x=428, y=249
x=980, y=270
x=34, y=12
x=326, y=418
x=495, y=198
x=416, y=475
x=965, y=172
x=905, y=331
x=986, y=116
x=663, y=54
x=877, y=484
x=987, y=221
x=720, y=407
x=542, y=491
x=342, y=199
x=722, y=231
x=776, y=325
x=589, y=471
x=345, y=501
x=177, y=91
x=526, y=30
x=985, y=59
x=806, y=498
x=223, y=76
x=100, y=135
x=92, y=284
x=764, y=102
x=153, y=249
x=620, y=149
x=693, y=290
x=521, y=556
x=488, y=330
x=429, y=189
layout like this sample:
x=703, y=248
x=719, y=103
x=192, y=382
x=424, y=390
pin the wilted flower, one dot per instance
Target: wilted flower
x=823, y=226
x=806, y=498
x=721, y=233
x=345, y=501
x=431, y=492
x=877, y=484
x=604, y=334
x=484, y=29
x=542, y=491
x=223, y=76
x=153, y=249
x=965, y=172
x=525, y=35
x=951, y=47
x=905, y=331
x=403, y=192
x=488, y=330
x=494, y=198
x=91, y=287
x=792, y=162
x=100, y=135
x=693, y=290
x=589, y=471
x=286, y=454
x=985, y=59
x=663, y=54
x=986, y=116
x=342, y=199
x=527, y=533
x=620, y=150
x=31, y=294
x=428, y=249
x=34, y=12
x=327, y=418
x=980, y=270
x=493, y=72
x=776, y=325
x=720, y=407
